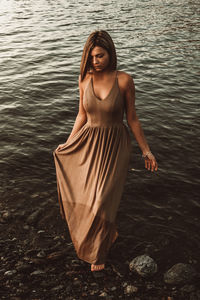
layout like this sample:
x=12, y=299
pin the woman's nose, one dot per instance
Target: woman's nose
x=95, y=60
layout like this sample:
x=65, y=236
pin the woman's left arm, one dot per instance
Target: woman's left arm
x=135, y=125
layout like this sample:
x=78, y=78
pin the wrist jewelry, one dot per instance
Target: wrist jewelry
x=146, y=155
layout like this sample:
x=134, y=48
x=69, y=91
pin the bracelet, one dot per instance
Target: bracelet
x=146, y=155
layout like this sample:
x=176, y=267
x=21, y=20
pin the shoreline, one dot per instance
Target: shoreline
x=39, y=260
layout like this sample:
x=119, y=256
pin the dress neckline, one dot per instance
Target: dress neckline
x=101, y=100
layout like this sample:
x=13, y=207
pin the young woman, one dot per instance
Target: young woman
x=91, y=166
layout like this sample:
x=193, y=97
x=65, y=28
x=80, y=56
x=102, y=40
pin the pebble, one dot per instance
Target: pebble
x=94, y=284
x=98, y=274
x=56, y=238
x=10, y=272
x=32, y=219
x=180, y=274
x=23, y=267
x=37, y=272
x=92, y=293
x=6, y=215
x=130, y=289
x=20, y=214
x=77, y=282
x=103, y=294
x=57, y=288
x=41, y=231
x=144, y=265
x=26, y=227
x=188, y=288
x=41, y=254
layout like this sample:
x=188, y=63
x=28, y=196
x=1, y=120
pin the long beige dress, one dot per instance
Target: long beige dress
x=91, y=171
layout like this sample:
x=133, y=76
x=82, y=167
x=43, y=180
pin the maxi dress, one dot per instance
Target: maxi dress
x=91, y=170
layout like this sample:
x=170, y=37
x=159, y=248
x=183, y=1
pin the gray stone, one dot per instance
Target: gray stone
x=130, y=289
x=180, y=274
x=144, y=265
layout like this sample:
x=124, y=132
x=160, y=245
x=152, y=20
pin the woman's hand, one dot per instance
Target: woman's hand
x=60, y=146
x=150, y=161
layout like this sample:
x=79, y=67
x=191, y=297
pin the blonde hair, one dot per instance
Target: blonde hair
x=102, y=39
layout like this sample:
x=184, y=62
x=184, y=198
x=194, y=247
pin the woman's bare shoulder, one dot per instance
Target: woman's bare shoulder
x=124, y=79
x=85, y=81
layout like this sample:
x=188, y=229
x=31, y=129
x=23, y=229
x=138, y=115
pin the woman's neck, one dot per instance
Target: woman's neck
x=103, y=74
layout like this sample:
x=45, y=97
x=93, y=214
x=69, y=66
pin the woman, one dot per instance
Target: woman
x=91, y=166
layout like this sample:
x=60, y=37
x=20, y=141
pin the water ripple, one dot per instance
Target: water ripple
x=41, y=48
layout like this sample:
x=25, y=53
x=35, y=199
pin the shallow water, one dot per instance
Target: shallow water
x=157, y=43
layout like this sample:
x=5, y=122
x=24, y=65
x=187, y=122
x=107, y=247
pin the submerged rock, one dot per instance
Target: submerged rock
x=144, y=265
x=180, y=274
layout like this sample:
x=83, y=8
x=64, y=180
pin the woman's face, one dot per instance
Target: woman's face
x=99, y=59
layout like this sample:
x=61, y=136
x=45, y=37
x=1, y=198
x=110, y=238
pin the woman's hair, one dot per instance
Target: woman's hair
x=102, y=39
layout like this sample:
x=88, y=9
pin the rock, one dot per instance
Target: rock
x=37, y=272
x=130, y=289
x=94, y=284
x=76, y=282
x=57, y=238
x=6, y=215
x=41, y=254
x=57, y=255
x=188, y=288
x=103, y=294
x=41, y=231
x=57, y=288
x=26, y=227
x=98, y=274
x=180, y=274
x=22, y=267
x=92, y=293
x=33, y=218
x=10, y=272
x=20, y=214
x=124, y=284
x=144, y=265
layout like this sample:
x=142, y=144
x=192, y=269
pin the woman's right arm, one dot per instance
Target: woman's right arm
x=81, y=117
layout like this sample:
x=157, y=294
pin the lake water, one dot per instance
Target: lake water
x=157, y=42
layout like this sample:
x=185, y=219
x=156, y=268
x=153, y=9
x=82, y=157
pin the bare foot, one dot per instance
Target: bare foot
x=97, y=267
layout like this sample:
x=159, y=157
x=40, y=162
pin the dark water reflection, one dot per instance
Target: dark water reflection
x=158, y=44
